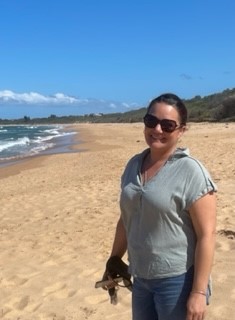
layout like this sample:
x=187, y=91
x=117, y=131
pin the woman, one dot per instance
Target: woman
x=167, y=222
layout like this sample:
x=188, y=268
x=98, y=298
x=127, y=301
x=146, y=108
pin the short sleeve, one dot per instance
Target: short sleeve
x=198, y=181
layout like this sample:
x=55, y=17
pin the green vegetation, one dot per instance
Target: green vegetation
x=215, y=107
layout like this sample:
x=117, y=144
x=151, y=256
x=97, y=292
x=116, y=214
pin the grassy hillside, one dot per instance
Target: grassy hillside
x=215, y=107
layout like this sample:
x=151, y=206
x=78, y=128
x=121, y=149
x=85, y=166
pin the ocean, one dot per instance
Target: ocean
x=20, y=141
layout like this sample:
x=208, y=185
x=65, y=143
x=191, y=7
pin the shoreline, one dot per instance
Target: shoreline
x=64, y=144
x=82, y=141
x=61, y=144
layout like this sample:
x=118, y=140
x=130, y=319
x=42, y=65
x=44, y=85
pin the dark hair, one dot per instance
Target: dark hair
x=174, y=101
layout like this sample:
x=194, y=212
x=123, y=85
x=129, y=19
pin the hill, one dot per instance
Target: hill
x=215, y=107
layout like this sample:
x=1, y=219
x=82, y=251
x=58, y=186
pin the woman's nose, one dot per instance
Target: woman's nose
x=158, y=128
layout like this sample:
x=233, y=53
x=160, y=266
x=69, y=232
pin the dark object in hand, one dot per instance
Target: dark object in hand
x=115, y=268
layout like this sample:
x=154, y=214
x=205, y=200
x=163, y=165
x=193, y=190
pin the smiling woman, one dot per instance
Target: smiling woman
x=167, y=222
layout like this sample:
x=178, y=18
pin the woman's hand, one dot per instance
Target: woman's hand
x=196, y=307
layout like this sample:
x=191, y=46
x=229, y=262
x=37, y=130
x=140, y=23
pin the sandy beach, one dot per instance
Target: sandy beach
x=58, y=216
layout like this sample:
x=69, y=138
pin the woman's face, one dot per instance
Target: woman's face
x=156, y=138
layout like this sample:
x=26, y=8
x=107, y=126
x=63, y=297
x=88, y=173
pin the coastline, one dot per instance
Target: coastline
x=59, y=213
x=39, y=139
x=64, y=144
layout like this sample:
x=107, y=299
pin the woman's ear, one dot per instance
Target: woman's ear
x=182, y=130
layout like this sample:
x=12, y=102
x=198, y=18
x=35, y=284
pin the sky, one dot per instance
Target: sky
x=75, y=57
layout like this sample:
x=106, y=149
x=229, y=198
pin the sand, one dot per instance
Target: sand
x=58, y=216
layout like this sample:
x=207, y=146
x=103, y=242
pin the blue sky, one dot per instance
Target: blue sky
x=86, y=56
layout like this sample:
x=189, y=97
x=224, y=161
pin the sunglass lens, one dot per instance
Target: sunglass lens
x=150, y=121
x=168, y=125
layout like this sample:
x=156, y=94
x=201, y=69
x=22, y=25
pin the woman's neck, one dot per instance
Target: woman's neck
x=156, y=156
x=152, y=164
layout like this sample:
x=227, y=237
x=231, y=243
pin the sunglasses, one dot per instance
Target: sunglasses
x=151, y=121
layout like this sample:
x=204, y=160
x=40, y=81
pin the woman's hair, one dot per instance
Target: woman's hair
x=174, y=101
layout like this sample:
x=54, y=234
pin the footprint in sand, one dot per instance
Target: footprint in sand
x=97, y=299
x=4, y=311
x=53, y=289
x=59, y=290
x=23, y=303
x=87, y=272
x=16, y=303
x=14, y=281
x=35, y=307
x=18, y=281
x=49, y=263
x=87, y=311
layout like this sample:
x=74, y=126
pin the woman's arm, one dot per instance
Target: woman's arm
x=119, y=249
x=203, y=215
x=120, y=242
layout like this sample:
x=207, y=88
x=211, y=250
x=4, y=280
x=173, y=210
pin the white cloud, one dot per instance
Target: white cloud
x=112, y=105
x=130, y=105
x=35, y=98
x=35, y=104
x=126, y=105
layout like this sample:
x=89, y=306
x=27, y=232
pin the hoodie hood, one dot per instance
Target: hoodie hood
x=179, y=153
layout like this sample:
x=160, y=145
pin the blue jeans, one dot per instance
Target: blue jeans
x=161, y=299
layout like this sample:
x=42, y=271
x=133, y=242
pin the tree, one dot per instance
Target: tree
x=226, y=109
x=26, y=119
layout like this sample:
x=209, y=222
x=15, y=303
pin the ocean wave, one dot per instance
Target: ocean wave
x=17, y=142
x=12, y=144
